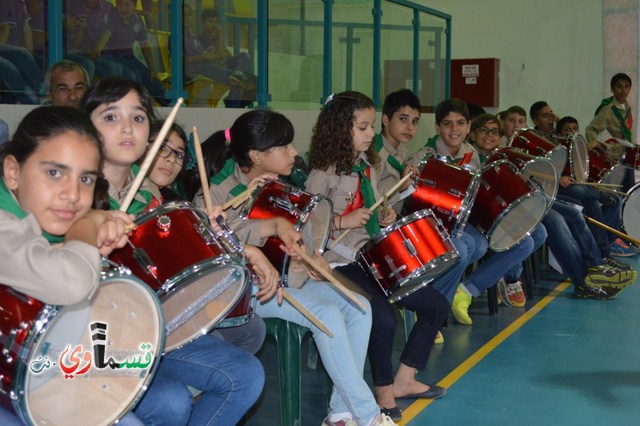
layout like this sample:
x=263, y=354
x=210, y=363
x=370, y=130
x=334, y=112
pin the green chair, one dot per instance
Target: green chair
x=288, y=336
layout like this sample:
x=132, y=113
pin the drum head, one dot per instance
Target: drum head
x=314, y=223
x=197, y=300
x=517, y=221
x=631, y=212
x=541, y=172
x=615, y=175
x=579, y=158
x=65, y=347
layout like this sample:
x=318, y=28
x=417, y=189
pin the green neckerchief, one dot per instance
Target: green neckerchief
x=136, y=207
x=431, y=143
x=626, y=132
x=9, y=204
x=373, y=225
x=378, y=144
x=483, y=158
x=227, y=170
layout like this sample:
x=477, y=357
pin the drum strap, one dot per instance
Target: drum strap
x=10, y=204
x=465, y=160
x=366, y=188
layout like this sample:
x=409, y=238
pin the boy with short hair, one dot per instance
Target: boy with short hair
x=544, y=119
x=614, y=114
x=515, y=118
x=400, y=119
x=452, y=127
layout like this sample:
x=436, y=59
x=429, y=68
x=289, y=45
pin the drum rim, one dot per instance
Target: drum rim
x=508, y=210
x=176, y=282
x=22, y=367
x=615, y=167
x=631, y=190
x=449, y=259
x=168, y=208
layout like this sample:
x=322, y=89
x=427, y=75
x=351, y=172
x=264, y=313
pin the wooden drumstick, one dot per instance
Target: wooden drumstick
x=202, y=170
x=304, y=311
x=151, y=155
x=595, y=184
x=375, y=205
x=327, y=275
x=613, y=231
x=238, y=200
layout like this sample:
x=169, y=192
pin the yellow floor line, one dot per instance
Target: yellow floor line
x=420, y=404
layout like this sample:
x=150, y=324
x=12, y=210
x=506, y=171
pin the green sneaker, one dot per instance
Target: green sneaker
x=460, y=307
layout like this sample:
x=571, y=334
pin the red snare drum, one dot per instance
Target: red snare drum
x=631, y=157
x=409, y=254
x=577, y=165
x=448, y=190
x=174, y=250
x=603, y=168
x=508, y=205
x=539, y=170
x=310, y=214
x=535, y=144
x=37, y=340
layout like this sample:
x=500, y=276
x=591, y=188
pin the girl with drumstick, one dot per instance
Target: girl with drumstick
x=344, y=169
x=49, y=170
x=231, y=379
x=172, y=170
x=260, y=145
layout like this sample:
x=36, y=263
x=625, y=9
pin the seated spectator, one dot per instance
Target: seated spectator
x=85, y=23
x=123, y=29
x=65, y=83
x=16, y=48
x=214, y=61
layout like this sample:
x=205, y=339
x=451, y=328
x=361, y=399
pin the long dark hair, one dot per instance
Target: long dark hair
x=112, y=89
x=332, y=140
x=44, y=123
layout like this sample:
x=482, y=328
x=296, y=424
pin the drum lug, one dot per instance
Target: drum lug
x=410, y=247
x=285, y=204
x=396, y=271
x=164, y=223
x=141, y=256
x=427, y=182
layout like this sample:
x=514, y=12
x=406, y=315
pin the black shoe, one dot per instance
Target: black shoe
x=600, y=293
x=394, y=413
x=618, y=265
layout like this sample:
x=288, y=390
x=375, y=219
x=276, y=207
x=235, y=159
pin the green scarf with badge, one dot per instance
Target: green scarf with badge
x=227, y=170
x=8, y=203
x=136, y=207
x=625, y=118
x=393, y=161
x=368, y=194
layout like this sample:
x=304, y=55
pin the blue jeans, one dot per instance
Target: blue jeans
x=589, y=198
x=230, y=378
x=497, y=265
x=249, y=336
x=539, y=235
x=343, y=355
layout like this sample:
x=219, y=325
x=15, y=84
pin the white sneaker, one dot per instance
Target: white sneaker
x=343, y=422
x=383, y=420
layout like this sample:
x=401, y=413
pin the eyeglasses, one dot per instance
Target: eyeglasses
x=484, y=131
x=166, y=151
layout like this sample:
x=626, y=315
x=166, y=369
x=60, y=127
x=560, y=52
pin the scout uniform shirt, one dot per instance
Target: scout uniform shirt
x=224, y=186
x=392, y=169
x=147, y=197
x=345, y=194
x=614, y=118
x=435, y=146
x=30, y=264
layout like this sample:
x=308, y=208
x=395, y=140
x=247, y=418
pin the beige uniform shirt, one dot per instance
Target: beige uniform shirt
x=442, y=150
x=606, y=120
x=146, y=185
x=388, y=175
x=56, y=275
x=247, y=230
x=341, y=190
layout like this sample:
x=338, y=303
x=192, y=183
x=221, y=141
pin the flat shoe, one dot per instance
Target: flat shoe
x=434, y=392
x=394, y=413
